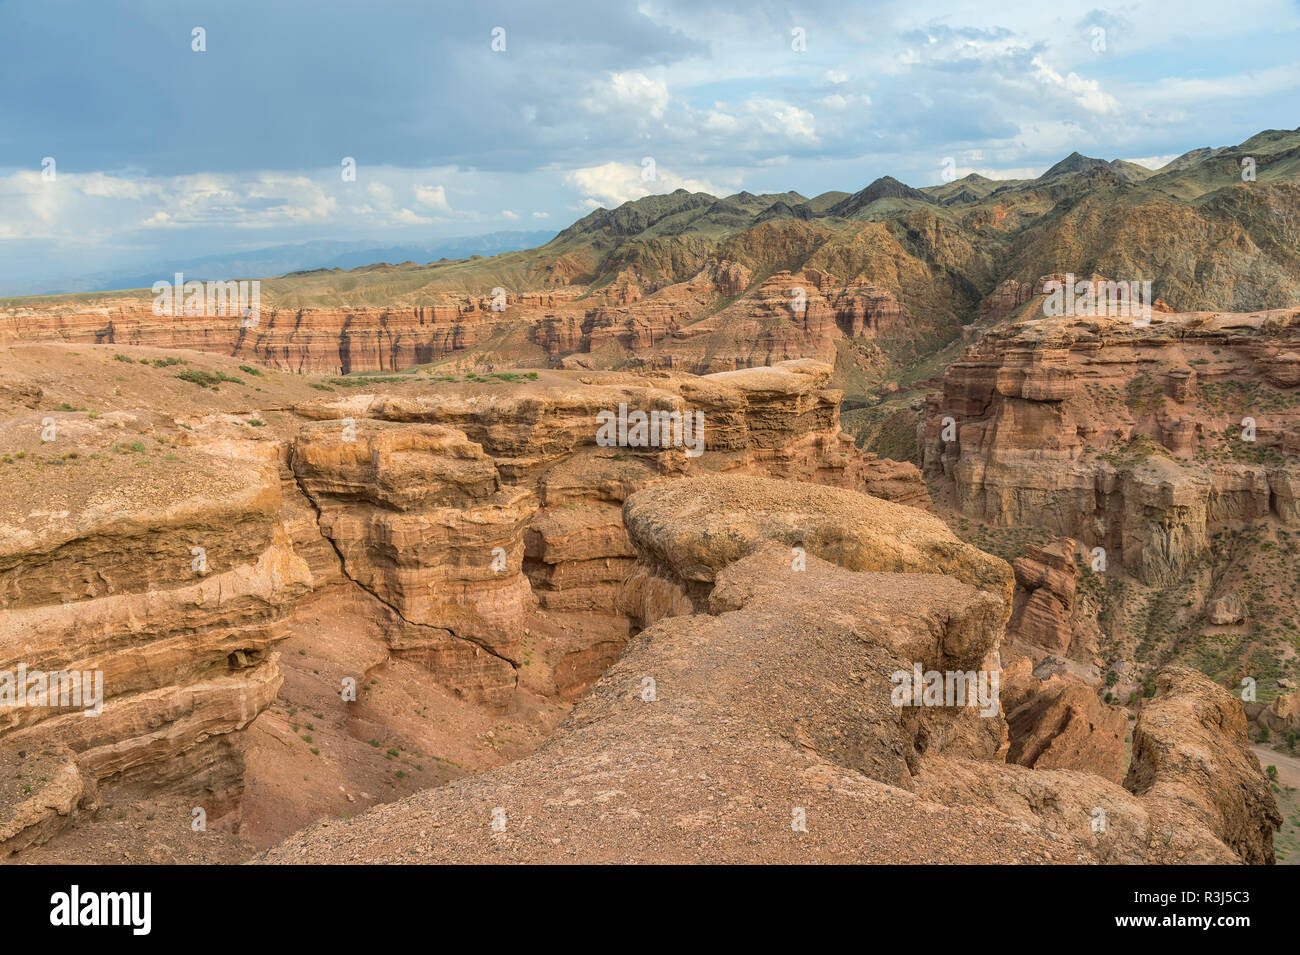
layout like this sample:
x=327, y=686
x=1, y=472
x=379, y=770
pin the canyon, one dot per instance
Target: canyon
x=363, y=583
x=787, y=316
x=489, y=581
x=472, y=533
x=1153, y=462
x=767, y=721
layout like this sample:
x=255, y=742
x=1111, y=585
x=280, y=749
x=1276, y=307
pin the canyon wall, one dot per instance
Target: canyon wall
x=755, y=719
x=1143, y=441
x=467, y=513
x=165, y=595
x=167, y=550
x=695, y=326
x=1141, y=474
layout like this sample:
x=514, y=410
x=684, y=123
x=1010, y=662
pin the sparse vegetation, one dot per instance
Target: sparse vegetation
x=205, y=379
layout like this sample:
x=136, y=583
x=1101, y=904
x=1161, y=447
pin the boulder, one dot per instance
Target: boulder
x=1226, y=610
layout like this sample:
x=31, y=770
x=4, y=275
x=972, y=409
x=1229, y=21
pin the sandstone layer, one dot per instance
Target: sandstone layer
x=757, y=722
x=165, y=591
x=1141, y=440
x=473, y=531
x=679, y=326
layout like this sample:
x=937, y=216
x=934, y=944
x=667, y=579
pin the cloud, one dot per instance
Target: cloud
x=942, y=43
x=435, y=197
x=709, y=88
x=782, y=119
x=634, y=94
x=1155, y=162
x=761, y=125
x=379, y=85
x=1086, y=93
x=407, y=217
x=612, y=184
x=381, y=192
x=113, y=187
x=837, y=102
x=76, y=207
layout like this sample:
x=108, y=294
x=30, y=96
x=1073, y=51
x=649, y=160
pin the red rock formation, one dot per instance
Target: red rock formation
x=1064, y=424
x=1058, y=724
x=1044, y=601
x=476, y=527
x=1193, y=768
x=1007, y=297
x=622, y=323
x=422, y=491
x=765, y=675
x=104, y=579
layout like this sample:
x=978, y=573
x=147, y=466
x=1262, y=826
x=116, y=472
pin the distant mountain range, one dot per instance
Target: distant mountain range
x=1206, y=236
x=1216, y=228
x=282, y=259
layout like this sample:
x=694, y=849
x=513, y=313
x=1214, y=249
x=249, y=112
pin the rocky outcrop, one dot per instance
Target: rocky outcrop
x=1193, y=768
x=465, y=513
x=1044, y=598
x=164, y=592
x=695, y=527
x=719, y=737
x=1008, y=296
x=419, y=519
x=687, y=532
x=758, y=720
x=1060, y=724
x=1067, y=424
x=1227, y=610
x=1282, y=715
x=42, y=791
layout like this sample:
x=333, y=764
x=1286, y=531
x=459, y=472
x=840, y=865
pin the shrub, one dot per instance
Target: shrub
x=206, y=379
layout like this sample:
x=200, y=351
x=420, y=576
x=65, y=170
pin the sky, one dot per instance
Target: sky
x=147, y=130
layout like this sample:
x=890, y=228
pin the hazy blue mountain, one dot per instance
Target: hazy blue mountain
x=281, y=259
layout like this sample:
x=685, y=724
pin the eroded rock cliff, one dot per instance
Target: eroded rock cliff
x=690, y=326
x=473, y=531
x=756, y=720
x=1142, y=440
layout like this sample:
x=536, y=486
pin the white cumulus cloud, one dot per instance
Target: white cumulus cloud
x=435, y=197
x=613, y=183
x=630, y=92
